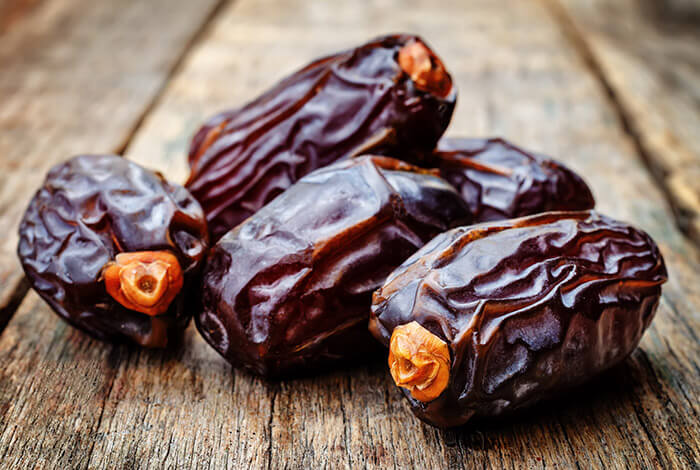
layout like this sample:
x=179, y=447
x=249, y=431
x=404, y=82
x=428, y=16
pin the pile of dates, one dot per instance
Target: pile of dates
x=328, y=220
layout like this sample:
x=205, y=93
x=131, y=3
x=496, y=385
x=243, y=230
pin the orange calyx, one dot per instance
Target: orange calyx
x=419, y=361
x=144, y=281
x=425, y=69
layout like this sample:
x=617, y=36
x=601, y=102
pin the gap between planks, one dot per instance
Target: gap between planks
x=191, y=45
x=278, y=400
x=19, y=292
x=589, y=58
x=13, y=301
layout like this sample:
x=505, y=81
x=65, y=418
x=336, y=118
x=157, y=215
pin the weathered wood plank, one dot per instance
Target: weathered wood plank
x=648, y=54
x=76, y=77
x=174, y=409
x=518, y=77
x=41, y=358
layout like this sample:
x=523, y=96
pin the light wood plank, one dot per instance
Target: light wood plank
x=649, y=55
x=53, y=386
x=183, y=409
x=76, y=77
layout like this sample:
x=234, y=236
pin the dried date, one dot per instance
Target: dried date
x=501, y=181
x=289, y=290
x=490, y=318
x=389, y=96
x=114, y=248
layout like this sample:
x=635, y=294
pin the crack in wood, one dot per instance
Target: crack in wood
x=174, y=70
x=113, y=360
x=270, y=420
x=581, y=45
x=347, y=382
x=14, y=300
x=562, y=428
x=18, y=293
x=682, y=389
x=679, y=444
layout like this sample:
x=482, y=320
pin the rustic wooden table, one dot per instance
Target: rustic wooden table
x=610, y=87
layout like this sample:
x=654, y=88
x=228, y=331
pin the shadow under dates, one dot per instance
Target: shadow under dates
x=605, y=392
x=589, y=401
x=590, y=405
x=347, y=410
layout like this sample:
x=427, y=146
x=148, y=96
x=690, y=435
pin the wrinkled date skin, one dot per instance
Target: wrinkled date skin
x=526, y=308
x=114, y=249
x=389, y=96
x=289, y=290
x=501, y=181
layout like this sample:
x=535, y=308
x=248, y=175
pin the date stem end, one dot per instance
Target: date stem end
x=419, y=361
x=144, y=281
x=425, y=69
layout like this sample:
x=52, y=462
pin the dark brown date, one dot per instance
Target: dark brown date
x=494, y=317
x=114, y=248
x=389, y=96
x=501, y=181
x=289, y=290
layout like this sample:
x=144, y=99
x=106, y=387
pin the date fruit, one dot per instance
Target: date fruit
x=114, y=249
x=501, y=181
x=289, y=290
x=493, y=317
x=391, y=95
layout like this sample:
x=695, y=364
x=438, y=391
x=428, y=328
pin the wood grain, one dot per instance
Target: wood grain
x=47, y=417
x=648, y=54
x=76, y=76
x=520, y=77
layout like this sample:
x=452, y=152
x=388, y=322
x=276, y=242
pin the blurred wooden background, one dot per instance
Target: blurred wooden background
x=610, y=87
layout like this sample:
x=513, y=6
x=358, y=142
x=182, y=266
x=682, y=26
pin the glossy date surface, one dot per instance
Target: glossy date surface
x=289, y=290
x=501, y=181
x=358, y=101
x=113, y=248
x=526, y=307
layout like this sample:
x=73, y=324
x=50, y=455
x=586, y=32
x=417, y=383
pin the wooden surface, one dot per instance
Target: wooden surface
x=646, y=54
x=529, y=71
x=77, y=76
